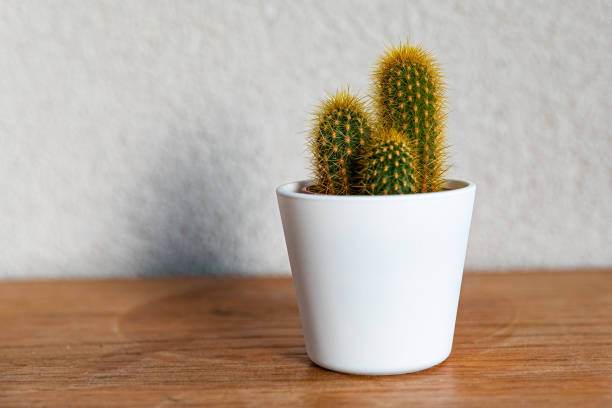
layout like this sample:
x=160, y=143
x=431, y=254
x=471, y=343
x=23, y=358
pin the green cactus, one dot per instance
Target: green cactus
x=340, y=130
x=387, y=166
x=409, y=96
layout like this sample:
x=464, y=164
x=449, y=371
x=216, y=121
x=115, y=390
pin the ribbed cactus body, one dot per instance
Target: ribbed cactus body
x=387, y=165
x=410, y=97
x=340, y=131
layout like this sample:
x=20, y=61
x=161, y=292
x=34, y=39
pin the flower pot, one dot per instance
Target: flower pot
x=377, y=278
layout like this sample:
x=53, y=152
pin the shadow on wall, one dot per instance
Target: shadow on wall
x=189, y=218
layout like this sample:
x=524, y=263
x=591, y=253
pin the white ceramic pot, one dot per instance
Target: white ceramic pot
x=377, y=278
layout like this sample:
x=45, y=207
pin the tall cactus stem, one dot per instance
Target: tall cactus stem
x=410, y=97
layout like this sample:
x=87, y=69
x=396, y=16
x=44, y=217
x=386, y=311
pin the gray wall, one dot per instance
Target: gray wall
x=147, y=137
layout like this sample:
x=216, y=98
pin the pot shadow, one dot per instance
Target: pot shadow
x=193, y=214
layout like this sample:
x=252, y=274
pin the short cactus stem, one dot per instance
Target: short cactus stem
x=340, y=130
x=409, y=95
x=387, y=165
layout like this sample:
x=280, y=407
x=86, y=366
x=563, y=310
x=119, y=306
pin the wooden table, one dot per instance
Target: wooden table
x=529, y=339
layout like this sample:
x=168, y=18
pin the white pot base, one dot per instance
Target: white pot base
x=366, y=371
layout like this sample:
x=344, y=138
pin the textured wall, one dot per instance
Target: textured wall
x=147, y=137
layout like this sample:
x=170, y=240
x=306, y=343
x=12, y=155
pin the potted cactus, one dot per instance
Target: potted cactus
x=377, y=238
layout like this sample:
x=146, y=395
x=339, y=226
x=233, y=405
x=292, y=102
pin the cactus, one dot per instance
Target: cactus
x=340, y=130
x=409, y=96
x=387, y=165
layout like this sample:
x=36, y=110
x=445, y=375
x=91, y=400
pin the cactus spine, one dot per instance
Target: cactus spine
x=387, y=165
x=409, y=96
x=340, y=131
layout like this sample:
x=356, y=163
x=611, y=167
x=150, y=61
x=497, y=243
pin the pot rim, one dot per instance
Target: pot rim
x=293, y=190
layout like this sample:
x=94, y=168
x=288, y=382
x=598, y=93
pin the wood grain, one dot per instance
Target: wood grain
x=528, y=339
